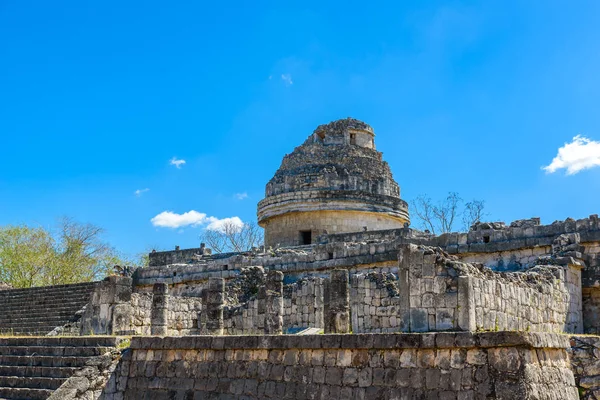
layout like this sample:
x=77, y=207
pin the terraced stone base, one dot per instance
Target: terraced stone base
x=34, y=367
x=448, y=366
x=37, y=311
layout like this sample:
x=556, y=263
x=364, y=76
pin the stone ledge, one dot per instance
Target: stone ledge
x=359, y=341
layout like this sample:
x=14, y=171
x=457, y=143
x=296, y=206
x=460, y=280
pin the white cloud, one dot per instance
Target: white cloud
x=169, y=219
x=241, y=196
x=220, y=224
x=287, y=79
x=140, y=192
x=193, y=218
x=177, y=163
x=582, y=153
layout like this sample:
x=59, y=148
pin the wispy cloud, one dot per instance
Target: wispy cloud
x=140, y=192
x=287, y=79
x=241, y=196
x=177, y=163
x=582, y=153
x=193, y=218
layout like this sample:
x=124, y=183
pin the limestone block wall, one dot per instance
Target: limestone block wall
x=502, y=305
x=375, y=302
x=585, y=364
x=284, y=230
x=303, y=304
x=439, y=293
x=591, y=310
x=188, y=279
x=182, y=314
x=500, y=365
x=244, y=319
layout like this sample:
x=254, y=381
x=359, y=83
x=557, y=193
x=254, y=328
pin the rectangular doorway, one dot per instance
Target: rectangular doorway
x=305, y=237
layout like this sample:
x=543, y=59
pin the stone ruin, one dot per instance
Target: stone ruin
x=346, y=301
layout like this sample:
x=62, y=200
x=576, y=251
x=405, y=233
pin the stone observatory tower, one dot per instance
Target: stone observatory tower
x=335, y=182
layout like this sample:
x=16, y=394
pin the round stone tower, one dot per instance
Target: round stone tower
x=336, y=182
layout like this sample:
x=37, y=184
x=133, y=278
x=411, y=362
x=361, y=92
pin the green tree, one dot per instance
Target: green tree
x=25, y=254
x=71, y=252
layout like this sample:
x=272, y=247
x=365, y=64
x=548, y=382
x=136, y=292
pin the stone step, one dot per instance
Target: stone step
x=24, y=394
x=43, y=361
x=31, y=304
x=49, y=372
x=33, y=367
x=43, y=301
x=50, y=314
x=58, y=351
x=27, y=332
x=49, y=320
x=30, y=331
x=46, y=301
x=32, y=323
x=50, y=289
x=31, y=382
x=75, y=292
x=64, y=341
x=40, y=312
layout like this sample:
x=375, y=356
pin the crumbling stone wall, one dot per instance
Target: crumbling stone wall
x=375, y=302
x=437, y=366
x=91, y=380
x=585, y=364
x=591, y=310
x=254, y=303
x=440, y=293
x=521, y=302
x=303, y=304
x=182, y=314
x=243, y=319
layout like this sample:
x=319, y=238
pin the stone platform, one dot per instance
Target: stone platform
x=495, y=365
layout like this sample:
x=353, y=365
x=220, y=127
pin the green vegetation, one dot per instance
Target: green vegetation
x=71, y=252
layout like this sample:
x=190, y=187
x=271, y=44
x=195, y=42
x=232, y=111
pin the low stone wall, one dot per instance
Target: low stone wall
x=439, y=293
x=182, y=314
x=375, y=303
x=499, y=365
x=244, y=319
x=519, y=304
x=303, y=304
x=591, y=310
x=180, y=272
x=585, y=363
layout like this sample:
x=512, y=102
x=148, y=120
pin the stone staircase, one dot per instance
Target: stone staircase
x=37, y=311
x=33, y=367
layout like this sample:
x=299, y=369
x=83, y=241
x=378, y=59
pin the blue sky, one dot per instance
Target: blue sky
x=96, y=99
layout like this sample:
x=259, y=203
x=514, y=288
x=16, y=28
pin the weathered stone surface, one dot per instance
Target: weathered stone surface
x=335, y=182
x=425, y=372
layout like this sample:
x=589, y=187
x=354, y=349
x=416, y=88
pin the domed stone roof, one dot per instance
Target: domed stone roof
x=336, y=168
x=326, y=160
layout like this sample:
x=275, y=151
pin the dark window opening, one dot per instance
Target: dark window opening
x=353, y=138
x=331, y=256
x=226, y=267
x=305, y=237
x=486, y=239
